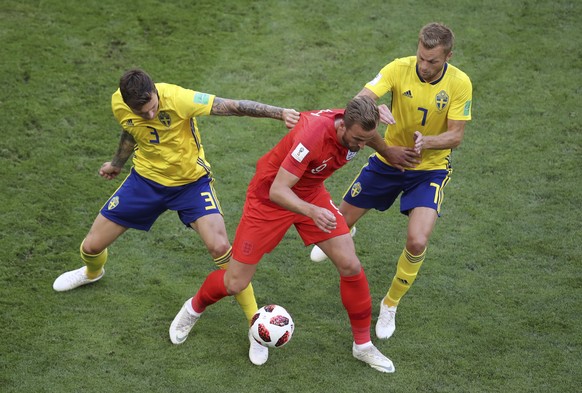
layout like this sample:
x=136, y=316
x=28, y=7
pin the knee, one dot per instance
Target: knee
x=234, y=285
x=218, y=247
x=416, y=244
x=349, y=267
x=91, y=247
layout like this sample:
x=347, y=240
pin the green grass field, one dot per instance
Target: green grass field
x=497, y=306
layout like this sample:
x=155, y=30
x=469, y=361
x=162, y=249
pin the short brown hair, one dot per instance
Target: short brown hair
x=435, y=34
x=136, y=88
x=362, y=110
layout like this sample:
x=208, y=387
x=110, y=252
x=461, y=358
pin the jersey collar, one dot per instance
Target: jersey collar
x=437, y=80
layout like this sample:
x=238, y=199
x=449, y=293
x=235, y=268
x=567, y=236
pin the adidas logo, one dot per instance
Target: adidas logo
x=129, y=123
x=407, y=93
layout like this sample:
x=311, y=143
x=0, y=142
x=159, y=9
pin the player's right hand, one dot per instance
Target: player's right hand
x=109, y=171
x=290, y=117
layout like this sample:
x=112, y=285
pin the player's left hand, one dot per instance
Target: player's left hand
x=386, y=116
x=401, y=157
x=324, y=219
x=290, y=117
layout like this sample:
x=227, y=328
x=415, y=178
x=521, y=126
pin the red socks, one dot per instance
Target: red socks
x=211, y=291
x=354, y=292
x=356, y=298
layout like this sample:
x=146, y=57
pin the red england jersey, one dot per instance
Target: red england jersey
x=310, y=151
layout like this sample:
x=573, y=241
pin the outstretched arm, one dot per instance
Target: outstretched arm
x=228, y=107
x=111, y=169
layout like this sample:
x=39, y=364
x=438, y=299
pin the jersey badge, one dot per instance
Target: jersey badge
x=374, y=81
x=247, y=247
x=300, y=152
x=165, y=118
x=356, y=189
x=113, y=203
x=467, y=109
x=350, y=155
x=442, y=100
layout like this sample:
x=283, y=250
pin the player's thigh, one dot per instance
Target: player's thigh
x=422, y=202
x=421, y=222
x=103, y=232
x=212, y=231
x=351, y=213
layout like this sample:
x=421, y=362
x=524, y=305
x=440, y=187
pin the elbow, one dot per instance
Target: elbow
x=456, y=142
x=273, y=195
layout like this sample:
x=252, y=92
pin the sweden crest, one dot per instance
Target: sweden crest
x=113, y=203
x=165, y=118
x=442, y=100
x=356, y=189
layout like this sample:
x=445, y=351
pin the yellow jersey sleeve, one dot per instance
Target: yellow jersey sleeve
x=384, y=81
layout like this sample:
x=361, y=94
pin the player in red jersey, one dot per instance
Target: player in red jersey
x=288, y=189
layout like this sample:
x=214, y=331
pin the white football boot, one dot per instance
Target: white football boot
x=258, y=354
x=386, y=324
x=73, y=279
x=182, y=324
x=374, y=358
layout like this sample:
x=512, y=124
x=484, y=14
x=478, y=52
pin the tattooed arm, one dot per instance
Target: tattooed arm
x=111, y=169
x=227, y=107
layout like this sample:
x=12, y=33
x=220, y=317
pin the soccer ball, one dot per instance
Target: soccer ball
x=272, y=326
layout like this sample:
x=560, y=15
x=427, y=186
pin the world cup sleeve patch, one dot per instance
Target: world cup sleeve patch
x=374, y=81
x=467, y=110
x=300, y=152
x=201, y=98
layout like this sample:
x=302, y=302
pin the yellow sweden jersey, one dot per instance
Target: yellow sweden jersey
x=420, y=106
x=169, y=150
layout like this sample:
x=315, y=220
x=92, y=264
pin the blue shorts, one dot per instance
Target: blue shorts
x=378, y=185
x=138, y=202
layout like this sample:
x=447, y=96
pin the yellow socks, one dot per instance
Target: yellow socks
x=406, y=271
x=93, y=263
x=246, y=298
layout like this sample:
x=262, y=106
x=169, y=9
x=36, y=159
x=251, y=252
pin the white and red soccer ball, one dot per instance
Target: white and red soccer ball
x=272, y=326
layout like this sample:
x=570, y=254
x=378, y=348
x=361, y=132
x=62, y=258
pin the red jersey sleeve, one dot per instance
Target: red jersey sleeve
x=306, y=146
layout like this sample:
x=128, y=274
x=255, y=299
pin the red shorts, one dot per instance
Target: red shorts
x=263, y=226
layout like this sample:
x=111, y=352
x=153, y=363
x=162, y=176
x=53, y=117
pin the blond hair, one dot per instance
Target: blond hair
x=362, y=110
x=436, y=34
